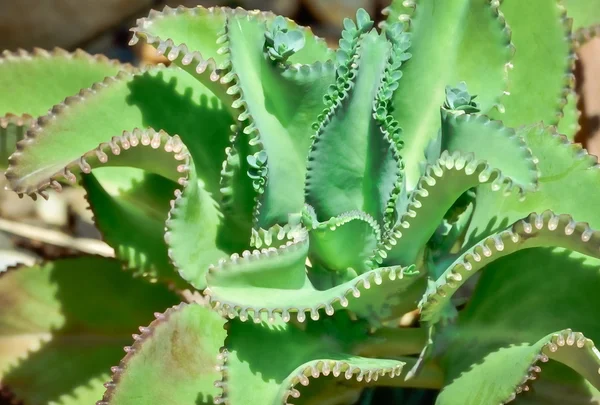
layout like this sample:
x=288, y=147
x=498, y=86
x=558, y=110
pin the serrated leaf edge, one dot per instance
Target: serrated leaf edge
x=316, y=368
x=435, y=172
x=302, y=375
x=557, y=341
x=146, y=332
x=232, y=310
x=524, y=229
x=178, y=52
x=585, y=34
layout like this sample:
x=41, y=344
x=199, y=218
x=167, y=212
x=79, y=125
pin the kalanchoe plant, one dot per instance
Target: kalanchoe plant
x=314, y=198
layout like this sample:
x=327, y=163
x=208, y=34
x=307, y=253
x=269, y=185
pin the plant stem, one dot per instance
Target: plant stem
x=389, y=342
x=430, y=376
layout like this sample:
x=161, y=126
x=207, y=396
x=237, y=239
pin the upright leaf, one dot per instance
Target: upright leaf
x=452, y=41
x=536, y=94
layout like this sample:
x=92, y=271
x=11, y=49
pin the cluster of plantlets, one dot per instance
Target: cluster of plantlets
x=312, y=198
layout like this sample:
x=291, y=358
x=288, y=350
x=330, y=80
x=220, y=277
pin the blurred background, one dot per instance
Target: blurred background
x=63, y=225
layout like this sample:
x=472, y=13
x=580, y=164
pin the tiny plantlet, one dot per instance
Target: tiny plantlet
x=279, y=206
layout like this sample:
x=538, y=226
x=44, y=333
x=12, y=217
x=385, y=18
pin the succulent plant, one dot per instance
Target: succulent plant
x=313, y=198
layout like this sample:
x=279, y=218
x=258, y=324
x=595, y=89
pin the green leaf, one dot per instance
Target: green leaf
x=37, y=81
x=545, y=229
x=167, y=98
x=174, y=360
x=274, y=283
x=190, y=38
x=166, y=156
x=162, y=98
x=363, y=20
x=499, y=342
x=362, y=180
x=277, y=124
x=287, y=43
x=569, y=123
x=72, y=316
x=124, y=199
x=398, y=11
x=238, y=195
x=459, y=99
x=565, y=170
x=585, y=15
x=193, y=249
x=12, y=130
x=452, y=41
x=195, y=39
x=301, y=355
x=199, y=30
x=492, y=142
x=443, y=183
x=354, y=233
x=537, y=94
x=196, y=30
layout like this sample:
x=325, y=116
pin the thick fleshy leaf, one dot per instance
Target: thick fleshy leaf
x=545, y=229
x=569, y=122
x=192, y=251
x=398, y=11
x=537, y=94
x=278, y=125
x=565, y=170
x=125, y=199
x=195, y=30
x=72, y=316
x=237, y=192
x=362, y=180
x=301, y=354
x=475, y=48
x=197, y=233
x=12, y=130
x=354, y=233
x=191, y=36
x=37, y=81
x=499, y=348
x=490, y=141
x=165, y=98
x=162, y=98
x=256, y=88
x=443, y=183
x=169, y=161
x=585, y=15
x=274, y=283
x=173, y=361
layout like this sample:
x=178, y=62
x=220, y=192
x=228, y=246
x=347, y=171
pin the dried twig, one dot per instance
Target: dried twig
x=56, y=238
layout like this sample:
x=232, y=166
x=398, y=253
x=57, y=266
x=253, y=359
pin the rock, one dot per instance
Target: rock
x=13, y=207
x=333, y=12
x=589, y=55
x=63, y=23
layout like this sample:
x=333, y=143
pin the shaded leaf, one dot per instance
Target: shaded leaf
x=72, y=316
